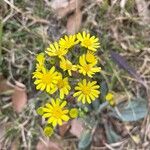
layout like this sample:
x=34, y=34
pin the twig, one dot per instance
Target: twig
x=35, y=18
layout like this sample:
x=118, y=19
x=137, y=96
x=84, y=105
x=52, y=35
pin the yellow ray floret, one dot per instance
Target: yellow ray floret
x=55, y=50
x=90, y=42
x=68, y=41
x=63, y=86
x=87, y=91
x=66, y=65
x=86, y=68
x=55, y=112
x=46, y=80
x=40, y=58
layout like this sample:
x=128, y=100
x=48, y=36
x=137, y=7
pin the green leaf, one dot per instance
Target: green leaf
x=112, y=136
x=85, y=140
x=103, y=89
x=134, y=111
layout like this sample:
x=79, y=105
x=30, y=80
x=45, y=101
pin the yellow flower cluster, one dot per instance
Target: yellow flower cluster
x=55, y=70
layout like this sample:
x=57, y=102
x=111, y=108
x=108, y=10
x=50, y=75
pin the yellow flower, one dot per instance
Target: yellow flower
x=41, y=61
x=87, y=91
x=55, y=50
x=46, y=80
x=66, y=65
x=63, y=86
x=92, y=43
x=91, y=58
x=55, y=112
x=86, y=68
x=68, y=41
x=73, y=113
x=48, y=131
x=110, y=98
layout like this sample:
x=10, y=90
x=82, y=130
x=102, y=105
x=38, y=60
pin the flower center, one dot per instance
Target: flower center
x=60, y=84
x=86, y=90
x=57, y=112
x=87, y=67
x=87, y=42
x=46, y=79
x=68, y=66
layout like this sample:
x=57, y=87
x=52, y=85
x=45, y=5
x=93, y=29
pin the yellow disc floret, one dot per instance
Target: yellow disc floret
x=87, y=91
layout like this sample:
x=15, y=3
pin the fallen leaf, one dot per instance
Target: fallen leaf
x=4, y=85
x=19, y=97
x=64, y=128
x=76, y=128
x=143, y=11
x=74, y=22
x=48, y=145
x=63, y=7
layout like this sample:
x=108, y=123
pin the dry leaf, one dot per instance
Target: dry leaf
x=76, y=128
x=63, y=7
x=64, y=128
x=74, y=22
x=19, y=97
x=48, y=145
x=143, y=11
x=4, y=85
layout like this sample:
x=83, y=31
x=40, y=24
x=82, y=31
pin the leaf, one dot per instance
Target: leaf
x=112, y=136
x=63, y=7
x=103, y=89
x=64, y=128
x=142, y=7
x=5, y=86
x=74, y=22
x=19, y=97
x=76, y=128
x=117, y=58
x=85, y=140
x=134, y=111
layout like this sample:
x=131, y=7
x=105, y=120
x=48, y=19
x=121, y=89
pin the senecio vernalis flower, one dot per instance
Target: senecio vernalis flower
x=46, y=79
x=63, y=86
x=66, y=65
x=61, y=71
x=55, y=112
x=68, y=41
x=87, y=68
x=40, y=58
x=92, y=43
x=56, y=50
x=87, y=91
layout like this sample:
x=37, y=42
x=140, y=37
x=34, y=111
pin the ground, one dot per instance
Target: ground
x=27, y=27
